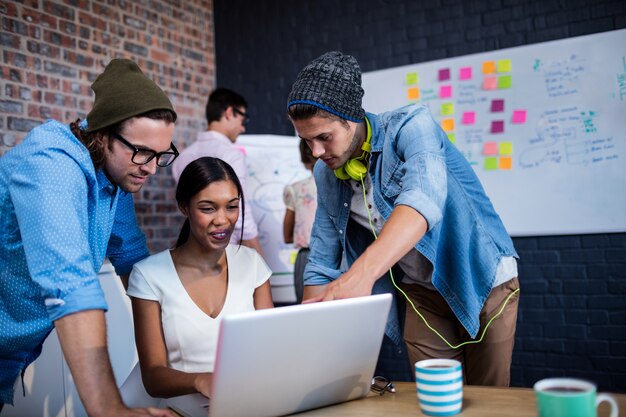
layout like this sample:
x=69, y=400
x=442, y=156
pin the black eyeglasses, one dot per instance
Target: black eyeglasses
x=245, y=116
x=381, y=385
x=143, y=156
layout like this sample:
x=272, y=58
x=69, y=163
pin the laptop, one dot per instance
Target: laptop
x=290, y=359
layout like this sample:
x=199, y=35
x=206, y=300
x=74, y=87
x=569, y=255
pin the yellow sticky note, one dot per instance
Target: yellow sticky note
x=447, y=125
x=292, y=257
x=506, y=162
x=491, y=163
x=451, y=137
x=505, y=148
x=447, y=109
x=504, y=65
x=489, y=67
x=505, y=81
x=412, y=78
x=413, y=93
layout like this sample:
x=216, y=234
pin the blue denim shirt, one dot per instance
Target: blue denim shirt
x=60, y=218
x=413, y=163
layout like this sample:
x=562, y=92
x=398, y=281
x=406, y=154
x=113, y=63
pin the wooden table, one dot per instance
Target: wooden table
x=477, y=401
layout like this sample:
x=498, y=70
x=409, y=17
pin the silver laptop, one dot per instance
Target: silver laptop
x=285, y=360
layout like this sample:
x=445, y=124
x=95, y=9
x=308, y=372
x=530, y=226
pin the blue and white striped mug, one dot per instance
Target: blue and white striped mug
x=439, y=386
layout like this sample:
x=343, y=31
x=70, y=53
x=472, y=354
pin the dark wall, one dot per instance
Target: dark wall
x=572, y=318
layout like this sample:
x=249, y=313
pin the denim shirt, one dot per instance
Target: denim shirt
x=413, y=163
x=60, y=219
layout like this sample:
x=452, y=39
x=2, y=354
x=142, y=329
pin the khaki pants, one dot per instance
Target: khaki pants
x=484, y=363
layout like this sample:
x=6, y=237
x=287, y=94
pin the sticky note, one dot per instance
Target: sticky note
x=411, y=78
x=504, y=65
x=505, y=148
x=465, y=73
x=413, y=93
x=489, y=67
x=505, y=81
x=497, y=126
x=447, y=125
x=447, y=109
x=292, y=257
x=490, y=83
x=241, y=149
x=490, y=148
x=469, y=117
x=491, y=163
x=444, y=74
x=451, y=137
x=445, y=91
x=497, y=106
x=506, y=163
x=519, y=116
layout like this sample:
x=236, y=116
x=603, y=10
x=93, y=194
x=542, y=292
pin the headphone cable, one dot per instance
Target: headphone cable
x=369, y=216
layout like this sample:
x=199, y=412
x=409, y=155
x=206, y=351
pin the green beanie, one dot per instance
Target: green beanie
x=123, y=91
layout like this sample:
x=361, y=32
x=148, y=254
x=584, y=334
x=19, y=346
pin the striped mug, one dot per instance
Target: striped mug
x=439, y=386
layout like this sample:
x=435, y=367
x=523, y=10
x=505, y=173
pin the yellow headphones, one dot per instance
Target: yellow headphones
x=354, y=168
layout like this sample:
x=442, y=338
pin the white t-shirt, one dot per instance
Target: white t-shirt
x=190, y=334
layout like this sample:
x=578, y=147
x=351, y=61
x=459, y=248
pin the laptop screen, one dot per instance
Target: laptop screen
x=289, y=359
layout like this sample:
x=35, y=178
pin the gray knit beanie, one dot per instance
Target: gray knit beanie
x=331, y=82
x=123, y=91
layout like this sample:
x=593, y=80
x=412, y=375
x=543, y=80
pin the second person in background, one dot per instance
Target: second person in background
x=300, y=200
x=226, y=116
x=182, y=293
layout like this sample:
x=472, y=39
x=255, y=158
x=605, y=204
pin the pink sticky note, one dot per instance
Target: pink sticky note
x=519, y=116
x=469, y=117
x=445, y=91
x=490, y=83
x=497, y=126
x=241, y=149
x=465, y=73
x=497, y=105
x=444, y=74
x=490, y=148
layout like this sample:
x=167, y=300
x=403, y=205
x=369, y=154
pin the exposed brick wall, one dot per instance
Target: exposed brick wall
x=572, y=318
x=53, y=50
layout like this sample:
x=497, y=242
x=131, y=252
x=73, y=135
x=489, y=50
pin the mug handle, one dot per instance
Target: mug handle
x=609, y=399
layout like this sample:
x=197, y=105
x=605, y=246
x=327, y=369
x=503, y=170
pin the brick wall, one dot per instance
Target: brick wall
x=572, y=318
x=51, y=51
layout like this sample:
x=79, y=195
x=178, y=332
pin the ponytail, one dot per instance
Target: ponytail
x=183, y=236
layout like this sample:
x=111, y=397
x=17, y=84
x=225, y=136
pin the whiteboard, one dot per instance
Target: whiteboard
x=273, y=162
x=543, y=126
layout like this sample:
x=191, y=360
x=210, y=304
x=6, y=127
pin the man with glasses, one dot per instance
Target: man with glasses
x=226, y=115
x=66, y=203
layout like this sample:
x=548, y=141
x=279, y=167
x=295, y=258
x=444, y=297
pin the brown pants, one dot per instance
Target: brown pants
x=484, y=363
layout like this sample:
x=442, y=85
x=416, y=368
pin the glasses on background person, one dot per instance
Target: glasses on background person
x=243, y=114
x=143, y=156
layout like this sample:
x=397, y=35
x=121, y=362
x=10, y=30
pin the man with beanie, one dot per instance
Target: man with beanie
x=410, y=215
x=66, y=199
x=226, y=118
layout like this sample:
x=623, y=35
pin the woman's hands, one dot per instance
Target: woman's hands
x=203, y=383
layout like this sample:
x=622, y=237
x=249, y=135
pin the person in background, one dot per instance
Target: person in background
x=66, y=195
x=226, y=115
x=181, y=293
x=394, y=194
x=300, y=200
